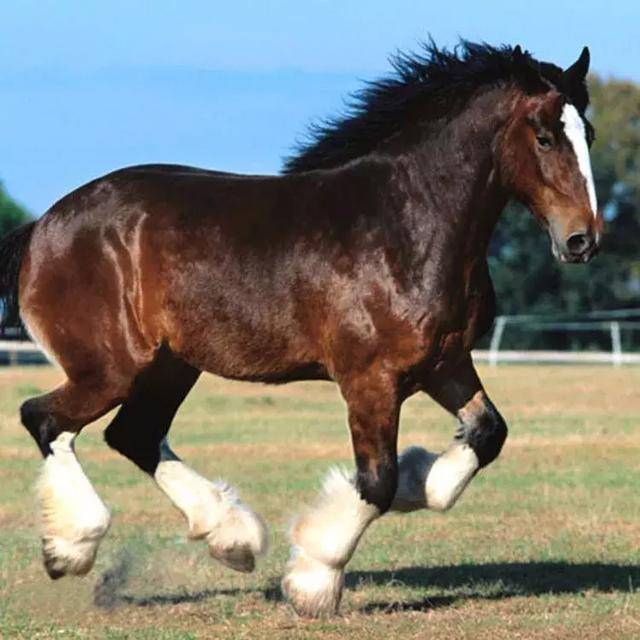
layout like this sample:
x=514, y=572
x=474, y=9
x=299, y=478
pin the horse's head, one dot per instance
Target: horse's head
x=544, y=160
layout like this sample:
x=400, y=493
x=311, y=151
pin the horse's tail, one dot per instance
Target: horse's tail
x=12, y=248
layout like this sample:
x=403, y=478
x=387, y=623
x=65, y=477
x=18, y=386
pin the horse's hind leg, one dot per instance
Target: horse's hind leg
x=73, y=517
x=235, y=535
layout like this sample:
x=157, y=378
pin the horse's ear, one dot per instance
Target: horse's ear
x=577, y=72
x=517, y=54
x=574, y=80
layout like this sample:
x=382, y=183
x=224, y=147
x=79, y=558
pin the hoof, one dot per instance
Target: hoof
x=234, y=533
x=51, y=565
x=314, y=589
x=238, y=539
x=240, y=557
x=64, y=557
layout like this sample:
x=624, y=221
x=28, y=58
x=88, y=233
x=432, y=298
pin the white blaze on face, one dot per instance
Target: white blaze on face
x=575, y=132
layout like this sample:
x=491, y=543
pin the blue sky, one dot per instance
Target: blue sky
x=90, y=86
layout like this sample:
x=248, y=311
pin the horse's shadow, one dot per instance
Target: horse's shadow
x=110, y=591
x=115, y=598
x=491, y=581
x=498, y=581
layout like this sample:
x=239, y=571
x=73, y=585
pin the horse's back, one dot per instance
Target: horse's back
x=166, y=254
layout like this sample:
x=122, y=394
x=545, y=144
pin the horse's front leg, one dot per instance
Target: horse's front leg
x=428, y=480
x=325, y=536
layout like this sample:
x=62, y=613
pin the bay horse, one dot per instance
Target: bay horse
x=363, y=263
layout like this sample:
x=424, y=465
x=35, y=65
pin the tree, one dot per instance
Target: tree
x=12, y=215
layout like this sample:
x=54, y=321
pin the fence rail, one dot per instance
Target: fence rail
x=21, y=351
x=611, y=322
x=555, y=357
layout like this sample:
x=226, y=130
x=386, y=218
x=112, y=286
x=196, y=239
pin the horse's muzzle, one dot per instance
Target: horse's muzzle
x=577, y=248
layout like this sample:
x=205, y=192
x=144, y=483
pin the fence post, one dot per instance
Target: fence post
x=496, y=337
x=616, y=343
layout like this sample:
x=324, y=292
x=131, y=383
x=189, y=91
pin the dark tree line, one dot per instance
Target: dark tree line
x=11, y=213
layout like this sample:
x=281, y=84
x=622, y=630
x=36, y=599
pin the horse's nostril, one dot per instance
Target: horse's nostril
x=578, y=243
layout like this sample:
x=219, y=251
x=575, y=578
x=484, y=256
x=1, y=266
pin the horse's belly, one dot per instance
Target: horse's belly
x=246, y=351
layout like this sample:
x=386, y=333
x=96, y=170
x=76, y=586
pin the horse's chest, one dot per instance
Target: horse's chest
x=464, y=315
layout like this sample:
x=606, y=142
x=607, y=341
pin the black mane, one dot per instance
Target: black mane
x=441, y=76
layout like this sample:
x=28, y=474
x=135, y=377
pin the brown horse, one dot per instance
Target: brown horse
x=364, y=263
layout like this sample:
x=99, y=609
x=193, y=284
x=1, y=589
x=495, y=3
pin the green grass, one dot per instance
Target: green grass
x=544, y=544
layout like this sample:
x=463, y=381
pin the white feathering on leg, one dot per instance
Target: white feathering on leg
x=313, y=588
x=430, y=481
x=73, y=517
x=240, y=535
x=234, y=533
x=324, y=538
x=329, y=531
x=449, y=475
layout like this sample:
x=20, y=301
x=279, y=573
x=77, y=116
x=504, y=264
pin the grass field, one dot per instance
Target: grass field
x=544, y=544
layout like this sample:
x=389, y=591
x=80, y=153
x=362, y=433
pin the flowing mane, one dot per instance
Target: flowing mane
x=434, y=77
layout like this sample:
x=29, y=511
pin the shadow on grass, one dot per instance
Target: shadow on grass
x=271, y=593
x=492, y=581
x=177, y=597
x=112, y=598
x=496, y=581
x=109, y=591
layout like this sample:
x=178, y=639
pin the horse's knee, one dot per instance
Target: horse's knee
x=378, y=486
x=485, y=432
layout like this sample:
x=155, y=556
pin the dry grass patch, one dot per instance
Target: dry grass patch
x=543, y=545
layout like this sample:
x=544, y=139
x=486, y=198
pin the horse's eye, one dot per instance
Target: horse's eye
x=544, y=142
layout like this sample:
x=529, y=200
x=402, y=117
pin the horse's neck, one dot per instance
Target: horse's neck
x=452, y=175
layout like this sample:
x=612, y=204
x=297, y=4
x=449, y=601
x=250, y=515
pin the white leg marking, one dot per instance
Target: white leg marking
x=74, y=518
x=324, y=538
x=234, y=533
x=433, y=482
x=449, y=476
x=575, y=132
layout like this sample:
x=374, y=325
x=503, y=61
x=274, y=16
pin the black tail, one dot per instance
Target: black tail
x=12, y=248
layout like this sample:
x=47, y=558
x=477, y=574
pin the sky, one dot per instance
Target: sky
x=88, y=86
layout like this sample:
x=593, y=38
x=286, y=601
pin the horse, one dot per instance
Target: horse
x=364, y=262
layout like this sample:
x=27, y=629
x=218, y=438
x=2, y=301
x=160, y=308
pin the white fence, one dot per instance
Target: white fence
x=609, y=322
x=14, y=349
x=554, y=357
